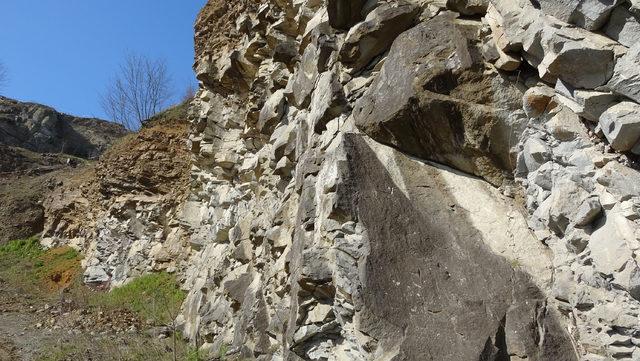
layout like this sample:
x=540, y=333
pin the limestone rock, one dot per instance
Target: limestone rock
x=327, y=102
x=608, y=243
x=589, y=14
x=272, y=112
x=621, y=125
x=626, y=75
x=583, y=62
x=375, y=34
x=536, y=99
x=442, y=122
x=623, y=26
x=589, y=104
x=536, y=153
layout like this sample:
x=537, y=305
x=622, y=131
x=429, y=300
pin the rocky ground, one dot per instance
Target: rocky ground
x=50, y=316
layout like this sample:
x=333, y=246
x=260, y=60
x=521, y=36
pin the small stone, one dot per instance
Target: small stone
x=536, y=100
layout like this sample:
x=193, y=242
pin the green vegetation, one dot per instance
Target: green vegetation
x=154, y=297
x=41, y=275
x=29, y=267
x=22, y=249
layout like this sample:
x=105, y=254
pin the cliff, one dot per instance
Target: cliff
x=390, y=180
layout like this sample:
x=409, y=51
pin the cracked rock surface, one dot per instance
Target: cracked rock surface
x=395, y=180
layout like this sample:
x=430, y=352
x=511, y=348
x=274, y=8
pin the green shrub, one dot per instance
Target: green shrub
x=23, y=248
x=155, y=297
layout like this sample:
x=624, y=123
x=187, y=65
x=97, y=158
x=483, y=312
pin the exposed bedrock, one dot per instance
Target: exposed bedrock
x=404, y=180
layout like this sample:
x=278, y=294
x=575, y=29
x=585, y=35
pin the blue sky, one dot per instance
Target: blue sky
x=62, y=53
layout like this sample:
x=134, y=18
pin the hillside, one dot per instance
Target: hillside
x=39, y=149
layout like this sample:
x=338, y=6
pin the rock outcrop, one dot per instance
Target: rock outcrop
x=120, y=212
x=42, y=129
x=395, y=180
x=39, y=147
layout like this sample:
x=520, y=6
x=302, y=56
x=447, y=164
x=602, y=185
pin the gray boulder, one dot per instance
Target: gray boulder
x=588, y=14
x=623, y=26
x=589, y=104
x=437, y=290
x=580, y=60
x=626, y=74
x=432, y=99
x=374, y=36
x=621, y=125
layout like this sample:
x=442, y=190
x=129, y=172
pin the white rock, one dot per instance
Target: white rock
x=626, y=74
x=621, y=125
x=608, y=243
x=589, y=104
x=535, y=153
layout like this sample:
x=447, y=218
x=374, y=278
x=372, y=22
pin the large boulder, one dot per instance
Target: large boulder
x=581, y=59
x=374, y=36
x=435, y=100
x=438, y=289
x=588, y=14
x=621, y=125
x=623, y=26
x=626, y=75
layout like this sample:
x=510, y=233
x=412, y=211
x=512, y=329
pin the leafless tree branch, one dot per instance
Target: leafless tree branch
x=140, y=90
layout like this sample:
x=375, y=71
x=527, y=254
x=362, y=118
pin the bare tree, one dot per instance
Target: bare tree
x=140, y=90
x=189, y=93
x=3, y=76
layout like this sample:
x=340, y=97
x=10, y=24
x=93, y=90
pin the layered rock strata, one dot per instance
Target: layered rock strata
x=409, y=180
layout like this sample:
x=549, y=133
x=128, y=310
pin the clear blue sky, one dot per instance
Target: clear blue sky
x=62, y=53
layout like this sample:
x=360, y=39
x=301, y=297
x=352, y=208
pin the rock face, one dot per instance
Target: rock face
x=434, y=101
x=43, y=130
x=119, y=211
x=397, y=180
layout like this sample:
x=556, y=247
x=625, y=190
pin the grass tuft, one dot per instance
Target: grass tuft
x=155, y=297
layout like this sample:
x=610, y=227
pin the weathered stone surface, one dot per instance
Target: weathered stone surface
x=626, y=75
x=374, y=36
x=422, y=330
x=608, y=243
x=536, y=100
x=623, y=26
x=430, y=100
x=344, y=13
x=44, y=130
x=588, y=14
x=589, y=104
x=581, y=61
x=285, y=243
x=272, y=112
x=468, y=7
x=327, y=102
x=621, y=125
x=565, y=205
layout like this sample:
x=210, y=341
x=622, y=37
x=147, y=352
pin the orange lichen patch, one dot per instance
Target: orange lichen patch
x=59, y=267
